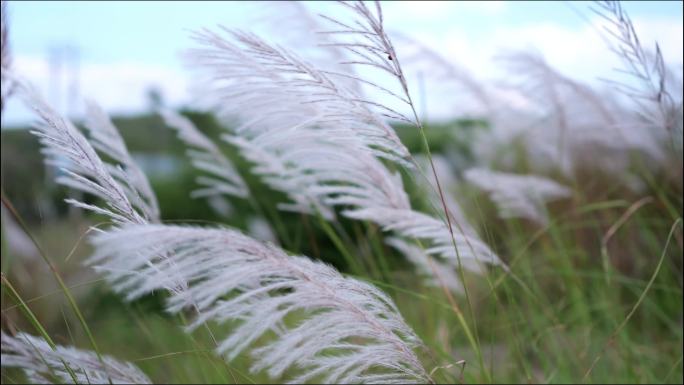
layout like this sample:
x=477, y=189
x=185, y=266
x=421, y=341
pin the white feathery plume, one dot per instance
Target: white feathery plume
x=350, y=331
x=568, y=118
x=582, y=128
x=281, y=176
x=655, y=98
x=319, y=159
x=516, y=195
x=353, y=332
x=580, y=121
x=65, y=147
x=447, y=179
x=374, y=194
x=207, y=157
x=107, y=140
x=364, y=188
x=42, y=364
x=436, y=272
x=293, y=22
x=369, y=45
x=264, y=86
x=570, y=128
x=274, y=93
x=415, y=225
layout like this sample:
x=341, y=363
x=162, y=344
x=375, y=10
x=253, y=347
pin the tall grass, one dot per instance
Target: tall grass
x=568, y=269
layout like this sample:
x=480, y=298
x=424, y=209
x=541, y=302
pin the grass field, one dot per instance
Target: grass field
x=560, y=315
x=586, y=287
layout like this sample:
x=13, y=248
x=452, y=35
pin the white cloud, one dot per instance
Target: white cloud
x=439, y=9
x=578, y=52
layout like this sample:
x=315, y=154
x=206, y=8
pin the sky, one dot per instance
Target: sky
x=126, y=48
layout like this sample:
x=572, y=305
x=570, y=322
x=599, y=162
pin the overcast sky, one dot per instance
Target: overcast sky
x=124, y=48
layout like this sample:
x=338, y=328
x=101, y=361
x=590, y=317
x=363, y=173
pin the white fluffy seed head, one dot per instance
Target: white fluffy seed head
x=107, y=140
x=266, y=87
x=42, y=364
x=222, y=177
x=348, y=331
x=312, y=138
x=125, y=194
x=520, y=196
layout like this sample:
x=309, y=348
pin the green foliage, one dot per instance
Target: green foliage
x=554, y=318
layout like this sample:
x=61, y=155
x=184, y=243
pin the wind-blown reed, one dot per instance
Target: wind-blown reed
x=44, y=365
x=352, y=332
x=311, y=138
x=518, y=196
x=66, y=148
x=348, y=331
x=206, y=157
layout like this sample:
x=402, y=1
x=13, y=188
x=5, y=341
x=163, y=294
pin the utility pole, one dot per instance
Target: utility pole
x=64, y=77
x=64, y=94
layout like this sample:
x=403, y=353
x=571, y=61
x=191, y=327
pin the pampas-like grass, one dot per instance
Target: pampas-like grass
x=294, y=22
x=44, y=365
x=66, y=148
x=369, y=45
x=447, y=178
x=351, y=332
x=207, y=157
x=295, y=129
x=281, y=175
x=658, y=87
x=580, y=122
x=263, y=85
x=362, y=186
x=435, y=272
x=521, y=196
x=311, y=134
x=561, y=124
x=347, y=331
x=275, y=95
x=105, y=138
